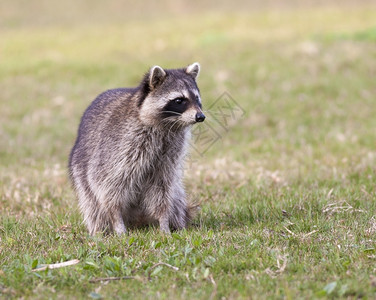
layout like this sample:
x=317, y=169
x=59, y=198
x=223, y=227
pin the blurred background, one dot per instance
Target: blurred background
x=303, y=72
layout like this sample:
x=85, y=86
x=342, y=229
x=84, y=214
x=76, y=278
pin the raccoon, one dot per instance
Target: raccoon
x=126, y=165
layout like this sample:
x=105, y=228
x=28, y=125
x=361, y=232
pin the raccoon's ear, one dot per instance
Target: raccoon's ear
x=156, y=77
x=193, y=69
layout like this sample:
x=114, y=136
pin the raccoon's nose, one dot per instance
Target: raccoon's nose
x=200, y=117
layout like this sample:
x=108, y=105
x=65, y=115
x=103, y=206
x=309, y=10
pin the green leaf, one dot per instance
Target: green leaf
x=329, y=288
x=369, y=250
x=320, y=293
x=346, y=263
x=95, y=295
x=34, y=264
x=156, y=270
x=131, y=240
x=37, y=275
x=342, y=291
x=187, y=250
x=90, y=264
x=209, y=260
x=206, y=273
x=197, y=260
x=197, y=242
x=176, y=236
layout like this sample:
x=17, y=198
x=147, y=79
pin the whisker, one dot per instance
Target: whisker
x=176, y=124
x=172, y=123
x=173, y=112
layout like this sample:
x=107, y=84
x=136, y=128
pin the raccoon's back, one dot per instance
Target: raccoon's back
x=96, y=119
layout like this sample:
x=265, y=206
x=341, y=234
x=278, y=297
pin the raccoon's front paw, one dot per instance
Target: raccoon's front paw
x=120, y=229
x=164, y=225
x=166, y=231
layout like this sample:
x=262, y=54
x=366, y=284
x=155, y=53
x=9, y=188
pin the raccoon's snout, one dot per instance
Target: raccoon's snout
x=200, y=117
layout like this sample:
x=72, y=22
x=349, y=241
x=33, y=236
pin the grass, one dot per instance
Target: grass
x=287, y=189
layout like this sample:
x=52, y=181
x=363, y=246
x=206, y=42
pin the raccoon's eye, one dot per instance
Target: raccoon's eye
x=179, y=100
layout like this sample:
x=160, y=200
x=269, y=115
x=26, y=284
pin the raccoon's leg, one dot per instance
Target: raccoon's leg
x=118, y=222
x=164, y=224
x=158, y=205
x=111, y=213
x=96, y=219
x=179, y=216
x=90, y=213
x=88, y=203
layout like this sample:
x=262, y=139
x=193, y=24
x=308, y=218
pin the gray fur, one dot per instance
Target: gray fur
x=127, y=163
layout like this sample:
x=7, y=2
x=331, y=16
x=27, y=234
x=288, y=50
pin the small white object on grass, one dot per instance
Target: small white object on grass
x=57, y=265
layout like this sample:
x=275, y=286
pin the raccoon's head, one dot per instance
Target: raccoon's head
x=171, y=97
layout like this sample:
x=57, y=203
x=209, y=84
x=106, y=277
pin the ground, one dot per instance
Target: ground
x=284, y=166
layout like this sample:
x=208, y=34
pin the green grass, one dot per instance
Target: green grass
x=287, y=193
